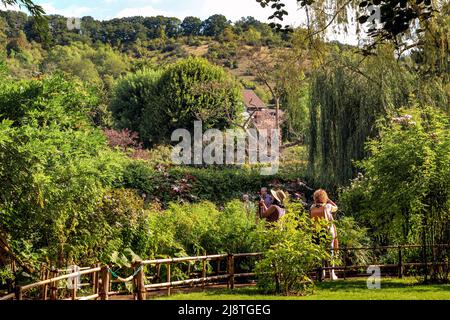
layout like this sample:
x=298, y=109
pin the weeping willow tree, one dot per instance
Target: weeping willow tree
x=347, y=97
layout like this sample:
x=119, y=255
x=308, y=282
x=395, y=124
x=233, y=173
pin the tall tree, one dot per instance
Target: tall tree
x=347, y=98
x=191, y=26
x=215, y=25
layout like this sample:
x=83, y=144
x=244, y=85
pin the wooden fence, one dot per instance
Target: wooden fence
x=401, y=264
x=101, y=280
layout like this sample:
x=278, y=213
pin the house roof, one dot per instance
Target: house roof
x=252, y=101
x=266, y=119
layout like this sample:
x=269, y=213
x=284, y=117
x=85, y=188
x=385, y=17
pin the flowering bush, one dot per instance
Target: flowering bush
x=123, y=139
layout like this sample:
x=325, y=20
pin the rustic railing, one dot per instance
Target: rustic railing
x=401, y=265
x=229, y=276
x=52, y=284
x=101, y=279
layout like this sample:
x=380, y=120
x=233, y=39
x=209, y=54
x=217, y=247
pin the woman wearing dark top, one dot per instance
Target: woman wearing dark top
x=274, y=212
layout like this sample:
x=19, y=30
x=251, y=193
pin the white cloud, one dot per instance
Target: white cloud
x=71, y=11
x=7, y=7
x=146, y=11
x=236, y=9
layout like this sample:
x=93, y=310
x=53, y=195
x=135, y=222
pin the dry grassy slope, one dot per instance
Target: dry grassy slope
x=244, y=68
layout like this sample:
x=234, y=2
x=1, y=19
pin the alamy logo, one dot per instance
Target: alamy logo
x=233, y=147
x=74, y=23
x=374, y=281
x=74, y=281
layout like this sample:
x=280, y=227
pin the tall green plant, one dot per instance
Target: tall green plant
x=403, y=192
x=54, y=165
x=289, y=258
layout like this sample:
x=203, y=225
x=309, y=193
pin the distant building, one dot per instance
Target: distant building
x=252, y=101
x=262, y=117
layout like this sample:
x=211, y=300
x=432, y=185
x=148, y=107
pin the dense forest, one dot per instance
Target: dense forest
x=86, y=116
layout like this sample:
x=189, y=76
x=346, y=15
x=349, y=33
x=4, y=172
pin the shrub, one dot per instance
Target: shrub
x=157, y=103
x=193, y=89
x=166, y=183
x=351, y=235
x=238, y=230
x=132, y=95
x=290, y=255
x=119, y=222
x=54, y=167
x=196, y=229
x=123, y=139
x=402, y=194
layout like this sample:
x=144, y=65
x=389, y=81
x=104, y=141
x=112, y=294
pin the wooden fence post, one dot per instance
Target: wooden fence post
x=74, y=284
x=400, y=262
x=189, y=271
x=345, y=263
x=44, y=276
x=218, y=267
x=54, y=286
x=158, y=272
x=96, y=280
x=104, y=288
x=140, y=279
x=19, y=293
x=135, y=283
x=203, y=273
x=230, y=271
x=74, y=288
x=320, y=273
x=168, y=279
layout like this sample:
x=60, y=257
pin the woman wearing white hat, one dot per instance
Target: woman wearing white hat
x=274, y=212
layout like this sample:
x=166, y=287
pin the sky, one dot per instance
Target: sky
x=232, y=9
x=108, y=9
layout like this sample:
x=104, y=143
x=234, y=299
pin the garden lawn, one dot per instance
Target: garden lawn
x=351, y=289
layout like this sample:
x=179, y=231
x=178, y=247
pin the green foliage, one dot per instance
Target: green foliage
x=346, y=101
x=54, y=164
x=403, y=195
x=135, y=95
x=237, y=230
x=195, y=229
x=218, y=185
x=252, y=37
x=185, y=94
x=120, y=224
x=290, y=255
x=155, y=104
x=191, y=26
x=352, y=235
x=224, y=53
x=96, y=65
x=215, y=25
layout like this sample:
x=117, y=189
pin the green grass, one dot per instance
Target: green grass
x=355, y=289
